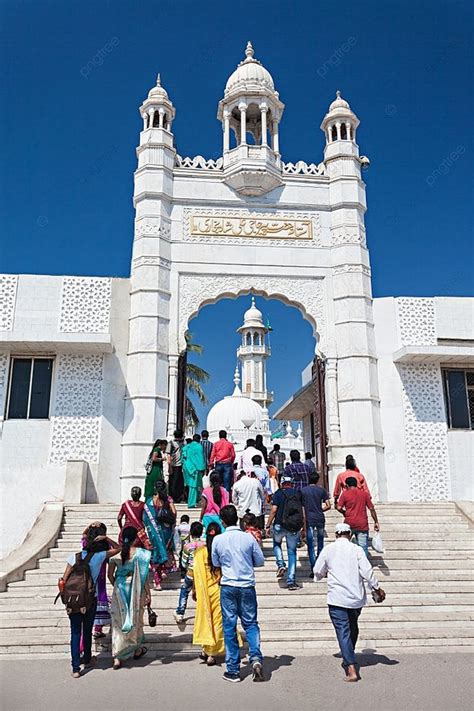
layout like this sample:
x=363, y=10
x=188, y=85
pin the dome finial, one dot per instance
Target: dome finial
x=253, y=301
x=236, y=376
x=249, y=50
x=338, y=94
x=158, y=79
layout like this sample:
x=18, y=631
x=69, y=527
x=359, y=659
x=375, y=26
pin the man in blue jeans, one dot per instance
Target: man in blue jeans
x=237, y=553
x=346, y=567
x=316, y=502
x=278, y=515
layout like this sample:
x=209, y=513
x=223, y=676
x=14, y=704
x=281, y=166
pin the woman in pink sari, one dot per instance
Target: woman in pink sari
x=214, y=498
x=132, y=510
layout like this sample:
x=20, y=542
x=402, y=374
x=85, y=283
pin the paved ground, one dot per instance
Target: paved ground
x=431, y=682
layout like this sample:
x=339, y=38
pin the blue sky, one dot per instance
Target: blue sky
x=70, y=129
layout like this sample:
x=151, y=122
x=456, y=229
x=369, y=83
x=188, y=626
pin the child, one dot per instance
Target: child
x=181, y=536
x=249, y=524
x=187, y=559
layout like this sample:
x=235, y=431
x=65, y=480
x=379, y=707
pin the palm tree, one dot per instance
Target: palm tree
x=195, y=377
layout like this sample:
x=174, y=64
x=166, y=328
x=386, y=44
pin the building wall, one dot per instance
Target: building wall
x=424, y=459
x=83, y=324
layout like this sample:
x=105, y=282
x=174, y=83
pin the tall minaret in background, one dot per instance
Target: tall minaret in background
x=253, y=353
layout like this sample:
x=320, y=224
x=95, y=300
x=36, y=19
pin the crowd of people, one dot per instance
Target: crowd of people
x=242, y=500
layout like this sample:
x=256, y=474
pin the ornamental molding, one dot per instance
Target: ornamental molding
x=425, y=431
x=302, y=168
x=245, y=227
x=85, y=305
x=151, y=261
x=416, y=319
x=351, y=269
x=305, y=293
x=200, y=163
x=152, y=227
x=348, y=234
x=8, y=289
x=77, y=408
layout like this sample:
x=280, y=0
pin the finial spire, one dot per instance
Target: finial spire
x=158, y=79
x=253, y=301
x=236, y=376
x=249, y=50
x=338, y=94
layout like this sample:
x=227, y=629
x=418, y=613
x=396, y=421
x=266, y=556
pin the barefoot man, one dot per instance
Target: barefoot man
x=346, y=567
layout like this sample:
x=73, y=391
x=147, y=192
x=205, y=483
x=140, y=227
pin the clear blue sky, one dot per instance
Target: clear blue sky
x=69, y=134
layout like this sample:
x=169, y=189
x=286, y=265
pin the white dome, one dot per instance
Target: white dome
x=253, y=317
x=158, y=93
x=339, y=103
x=249, y=76
x=234, y=413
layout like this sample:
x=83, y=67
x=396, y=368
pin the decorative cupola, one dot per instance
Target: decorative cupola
x=340, y=126
x=158, y=112
x=251, y=110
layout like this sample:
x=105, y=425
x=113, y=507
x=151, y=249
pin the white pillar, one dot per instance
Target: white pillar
x=332, y=399
x=173, y=393
x=144, y=121
x=329, y=136
x=338, y=129
x=151, y=113
x=348, y=131
x=162, y=118
x=276, y=146
x=263, y=110
x=226, y=131
x=243, y=123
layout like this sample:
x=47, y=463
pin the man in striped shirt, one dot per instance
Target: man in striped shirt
x=207, y=446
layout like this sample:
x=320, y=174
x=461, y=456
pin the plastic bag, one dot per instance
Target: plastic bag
x=377, y=542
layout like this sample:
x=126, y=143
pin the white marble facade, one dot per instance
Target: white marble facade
x=246, y=223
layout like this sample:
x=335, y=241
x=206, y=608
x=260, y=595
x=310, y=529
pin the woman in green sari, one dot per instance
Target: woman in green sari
x=156, y=472
x=128, y=573
x=194, y=466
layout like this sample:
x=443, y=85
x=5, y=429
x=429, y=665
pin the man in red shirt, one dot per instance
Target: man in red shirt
x=352, y=471
x=353, y=503
x=222, y=458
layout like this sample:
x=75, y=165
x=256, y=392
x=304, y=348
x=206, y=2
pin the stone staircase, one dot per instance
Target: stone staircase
x=427, y=573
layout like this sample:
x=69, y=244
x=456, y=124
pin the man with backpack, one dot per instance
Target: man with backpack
x=78, y=593
x=288, y=518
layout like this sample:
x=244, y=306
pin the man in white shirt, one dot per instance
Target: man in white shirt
x=250, y=451
x=346, y=567
x=247, y=494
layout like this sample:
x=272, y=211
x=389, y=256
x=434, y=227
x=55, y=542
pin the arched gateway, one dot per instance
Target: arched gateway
x=249, y=223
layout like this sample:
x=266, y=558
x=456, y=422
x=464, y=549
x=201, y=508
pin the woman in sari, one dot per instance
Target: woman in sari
x=208, y=631
x=159, y=517
x=213, y=499
x=194, y=466
x=129, y=576
x=156, y=472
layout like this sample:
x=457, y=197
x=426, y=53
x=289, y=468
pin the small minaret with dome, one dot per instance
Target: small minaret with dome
x=251, y=107
x=252, y=354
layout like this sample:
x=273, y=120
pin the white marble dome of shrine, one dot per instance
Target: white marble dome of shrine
x=253, y=316
x=234, y=413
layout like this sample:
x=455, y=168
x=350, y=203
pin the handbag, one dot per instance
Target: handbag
x=152, y=616
x=377, y=542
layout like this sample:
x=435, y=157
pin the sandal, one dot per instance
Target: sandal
x=211, y=662
x=203, y=657
x=117, y=664
x=140, y=653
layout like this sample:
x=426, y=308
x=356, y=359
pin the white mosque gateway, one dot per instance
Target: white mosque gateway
x=90, y=367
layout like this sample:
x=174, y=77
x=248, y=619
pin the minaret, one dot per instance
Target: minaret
x=147, y=373
x=253, y=354
x=351, y=360
x=251, y=107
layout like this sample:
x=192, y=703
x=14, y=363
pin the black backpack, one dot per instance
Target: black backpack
x=78, y=594
x=292, y=518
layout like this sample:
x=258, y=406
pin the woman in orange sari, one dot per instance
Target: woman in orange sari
x=208, y=631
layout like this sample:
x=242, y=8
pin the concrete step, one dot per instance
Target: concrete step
x=275, y=619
